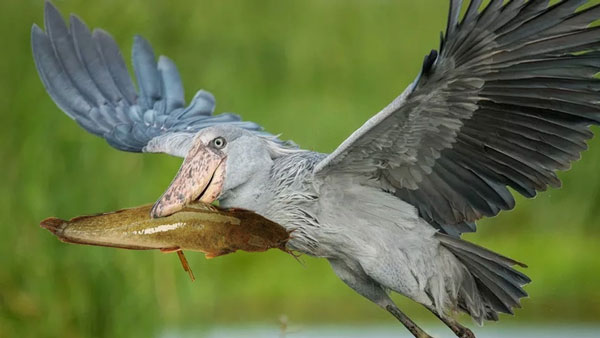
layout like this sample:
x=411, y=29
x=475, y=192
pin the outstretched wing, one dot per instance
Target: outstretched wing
x=86, y=76
x=507, y=102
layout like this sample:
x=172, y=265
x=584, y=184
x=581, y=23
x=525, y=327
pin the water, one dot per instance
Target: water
x=542, y=331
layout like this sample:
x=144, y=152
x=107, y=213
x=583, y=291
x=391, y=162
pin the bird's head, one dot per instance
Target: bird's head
x=221, y=158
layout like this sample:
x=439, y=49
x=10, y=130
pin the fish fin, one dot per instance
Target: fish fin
x=52, y=224
x=210, y=255
x=185, y=264
x=170, y=250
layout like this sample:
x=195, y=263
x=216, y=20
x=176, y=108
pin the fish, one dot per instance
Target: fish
x=198, y=226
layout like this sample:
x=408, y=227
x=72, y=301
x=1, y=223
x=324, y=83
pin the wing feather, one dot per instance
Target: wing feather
x=507, y=102
x=113, y=63
x=171, y=84
x=91, y=59
x=86, y=76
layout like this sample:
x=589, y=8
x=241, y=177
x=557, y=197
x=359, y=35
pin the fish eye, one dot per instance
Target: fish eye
x=219, y=142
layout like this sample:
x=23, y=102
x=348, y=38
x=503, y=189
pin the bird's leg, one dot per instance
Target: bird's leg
x=407, y=322
x=354, y=276
x=459, y=330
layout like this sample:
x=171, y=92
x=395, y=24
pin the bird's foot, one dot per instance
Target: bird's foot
x=462, y=332
x=459, y=330
x=407, y=322
x=423, y=335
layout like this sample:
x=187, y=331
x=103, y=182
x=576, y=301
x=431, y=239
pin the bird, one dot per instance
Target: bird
x=506, y=101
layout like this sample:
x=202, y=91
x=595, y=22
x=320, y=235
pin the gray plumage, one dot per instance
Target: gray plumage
x=512, y=88
x=506, y=102
x=86, y=76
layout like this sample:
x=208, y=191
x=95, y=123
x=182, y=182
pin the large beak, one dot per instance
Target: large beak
x=201, y=176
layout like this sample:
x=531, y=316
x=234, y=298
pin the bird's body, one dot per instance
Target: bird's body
x=287, y=193
x=506, y=102
x=374, y=241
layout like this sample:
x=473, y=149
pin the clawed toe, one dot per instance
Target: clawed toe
x=465, y=333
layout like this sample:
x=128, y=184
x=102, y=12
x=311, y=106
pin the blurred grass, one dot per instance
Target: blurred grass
x=313, y=70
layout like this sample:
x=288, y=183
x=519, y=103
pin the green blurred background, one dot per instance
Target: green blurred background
x=313, y=70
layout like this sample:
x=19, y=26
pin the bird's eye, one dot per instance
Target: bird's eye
x=219, y=142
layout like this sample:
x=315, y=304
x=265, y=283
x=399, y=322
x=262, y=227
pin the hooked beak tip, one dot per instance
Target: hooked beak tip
x=158, y=210
x=154, y=213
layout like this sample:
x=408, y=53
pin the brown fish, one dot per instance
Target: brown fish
x=198, y=227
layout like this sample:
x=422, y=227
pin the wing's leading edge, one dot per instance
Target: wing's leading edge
x=507, y=102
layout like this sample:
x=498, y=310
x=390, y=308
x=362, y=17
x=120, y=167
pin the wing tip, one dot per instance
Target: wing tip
x=206, y=95
x=39, y=43
x=49, y=6
x=141, y=43
x=76, y=21
x=164, y=60
x=51, y=13
x=36, y=30
x=103, y=35
x=429, y=62
x=166, y=64
x=37, y=37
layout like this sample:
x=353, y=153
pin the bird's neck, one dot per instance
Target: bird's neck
x=286, y=194
x=250, y=195
x=276, y=192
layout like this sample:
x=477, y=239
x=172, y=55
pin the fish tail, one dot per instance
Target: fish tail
x=52, y=224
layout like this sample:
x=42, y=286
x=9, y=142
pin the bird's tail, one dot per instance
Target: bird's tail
x=494, y=286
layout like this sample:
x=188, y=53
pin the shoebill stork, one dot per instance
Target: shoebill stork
x=506, y=102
